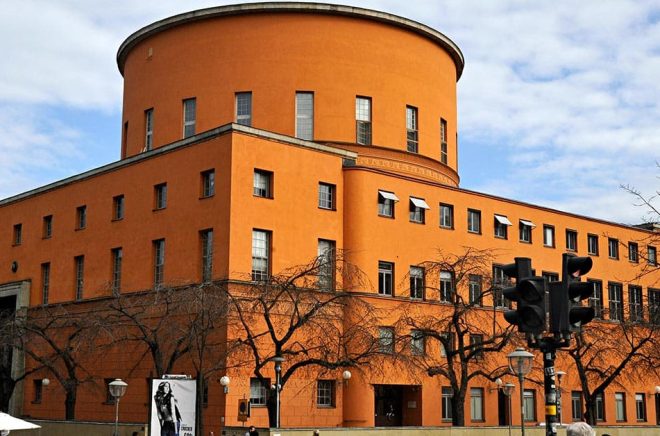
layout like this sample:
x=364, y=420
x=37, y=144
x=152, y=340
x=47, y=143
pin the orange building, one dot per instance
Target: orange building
x=270, y=131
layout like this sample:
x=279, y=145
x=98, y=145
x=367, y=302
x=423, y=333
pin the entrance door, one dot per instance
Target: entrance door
x=388, y=405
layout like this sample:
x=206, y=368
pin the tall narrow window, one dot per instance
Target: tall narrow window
x=79, y=265
x=327, y=196
x=592, y=244
x=18, y=234
x=47, y=227
x=81, y=217
x=571, y=240
x=443, y=141
x=118, y=207
x=160, y=196
x=207, y=254
x=654, y=306
x=244, y=108
x=261, y=184
x=652, y=256
x=386, y=201
x=208, y=183
x=124, y=140
x=446, y=216
x=447, y=395
x=475, y=289
x=613, y=248
x=548, y=235
x=45, y=282
x=635, y=303
x=417, y=282
x=326, y=259
x=633, y=252
x=474, y=221
x=386, y=339
x=148, y=129
x=616, y=301
x=476, y=346
x=117, y=257
x=260, y=255
x=596, y=299
x=385, y=278
x=576, y=405
x=363, y=120
x=640, y=407
x=417, y=343
x=189, y=116
x=529, y=405
x=620, y=406
x=476, y=404
x=500, y=281
x=600, y=408
x=418, y=210
x=305, y=115
x=446, y=286
x=411, y=129
x=159, y=262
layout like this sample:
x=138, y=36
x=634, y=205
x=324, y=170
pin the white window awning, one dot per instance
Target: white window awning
x=528, y=223
x=503, y=220
x=388, y=195
x=418, y=202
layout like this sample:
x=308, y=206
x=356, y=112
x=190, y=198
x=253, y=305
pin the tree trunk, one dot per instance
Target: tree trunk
x=458, y=410
x=199, y=406
x=271, y=403
x=70, y=402
x=590, y=412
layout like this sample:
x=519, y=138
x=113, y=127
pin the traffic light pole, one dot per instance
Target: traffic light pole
x=548, y=347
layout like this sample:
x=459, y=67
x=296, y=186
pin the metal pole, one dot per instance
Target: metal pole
x=509, y=398
x=277, y=395
x=548, y=349
x=117, y=417
x=522, y=403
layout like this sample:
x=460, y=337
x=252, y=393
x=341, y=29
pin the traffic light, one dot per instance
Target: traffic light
x=243, y=409
x=529, y=294
x=566, y=312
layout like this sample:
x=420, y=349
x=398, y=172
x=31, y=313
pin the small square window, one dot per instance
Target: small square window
x=446, y=216
x=327, y=196
x=386, y=202
x=613, y=248
x=259, y=391
x=474, y=221
x=262, y=184
x=160, y=196
x=118, y=207
x=208, y=183
x=418, y=210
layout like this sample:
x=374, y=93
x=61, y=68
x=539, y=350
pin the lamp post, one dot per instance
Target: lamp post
x=278, y=373
x=507, y=389
x=520, y=363
x=117, y=390
x=559, y=375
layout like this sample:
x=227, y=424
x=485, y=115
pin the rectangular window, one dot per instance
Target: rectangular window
x=571, y=240
x=189, y=116
x=447, y=395
x=386, y=339
x=148, y=129
x=417, y=343
x=81, y=217
x=45, y=282
x=635, y=303
x=38, y=390
x=446, y=286
x=620, y=406
x=325, y=393
x=326, y=258
x=411, y=129
x=18, y=234
x=600, y=408
x=327, y=196
x=529, y=405
x=79, y=265
x=446, y=343
x=159, y=262
x=118, y=207
x=117, y=257
x=446, y=216
x=596, y=300
x=385, y=278
x=633, y=252
x=260, y=255
x=417, y=286
x=548, y=236
x=443, y=141
x=305, y=115
x=592, y=244
x=500, y=281
x=654, y=306
x=244, y=108
x=386, y=201
x=474, y=221
x=160, y=196
x=576, y=405
x=418, y=210
x=476, y=346
x=613, y=248
x=261, y=184
x=616, y=301
x=475, y=289
x=525, y=228
x=477, y=404
x=502, y=224
x=363, y=120
x=652, y=257
x=47, y=228
x=207, y=254
x=259, y=391
x=640, y=407
x=208, y=183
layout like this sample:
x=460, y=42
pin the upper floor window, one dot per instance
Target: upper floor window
x=443, y=141
x=189, y=116
x=596, y=299
x=260, y=254
x=17, y=237
x=79, y=264
x=48, y=226
x=118, y=207
x=635, y=303
x=386, y=339
x=81, y=217
x=417, y=282
x=474, y=221
x=160, y=196
x=117, y=259
x=477, y=346
x=417, y=343
x=208, y=183
x=363, y=120
x=45, y=282
x=616, y=301
x=261, y=184
x=327, y=196
x=418, y=210
x=526, y=230
x=652, y=257
x=571, y=240
x=548, y=235
x=613, y=248
x=206, y=237
x=446, y=286
x=148, y=129
x=244, y=108
x=386, y=201
x=159, y=262
x=411, y=129
x=326, y=258
x=385, y=278
x=633, y=252
x=500, y=281
x=475, y=289
x=502, y=224
x=592, y=244
x=305, y=115
x=654, y=306
x=446, y=216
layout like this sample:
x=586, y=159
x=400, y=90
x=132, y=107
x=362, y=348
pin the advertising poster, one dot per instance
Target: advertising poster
x=173, y=407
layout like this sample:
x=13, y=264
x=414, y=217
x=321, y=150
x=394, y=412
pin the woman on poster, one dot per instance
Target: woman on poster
x=168, y=412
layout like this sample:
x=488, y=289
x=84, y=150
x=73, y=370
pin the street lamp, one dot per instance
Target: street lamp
x=346, y=375
x=117, y=390
x=224, y=381
x=520, y=363
x=559, y=375
x=507, y=389
x=278, y=373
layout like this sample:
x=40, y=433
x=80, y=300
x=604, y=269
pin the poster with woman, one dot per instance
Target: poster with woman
x=173, y=407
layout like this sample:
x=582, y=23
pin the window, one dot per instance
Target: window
x=616, y=301
x=259, y=391
x=476, y=346
x=411, y=129
x=189, y=117
x=244, y=108
x=305, y=115
x=592, y=244
x=475, y=289
x=148, y=129
x=417, y=282
x=500, y=281
x=160, y=196
x=576, y=405
x=640, y=407
x=47, y=230
x=386, y=339
x=418, y=210
x=363, y=120
x=635, y=303
x=447, y=395
x=600, y=408
x=385, y=278
x=477, y=404
x=417, y=343
x=620, y=406
x=443, y=141
x=261, y=184
x=117, y=257
x=633, y=252
x=81, y=217
x=208, y=183
x=446, y=216
x=326, y=196
x=502, y=224
x=326, y=257
x=207, y=254
x=260, y=255
x=38, y=390
x=613, y=248
x=446, y=286
x=159, y=262
x=386, y=201
x=596, y=300
x=118, y=207
x=446, y=343
x=79, y=265
x=529, y=405
x=654, y=306
x=325, y=393
x=525, y=228
x=18, y=234
x=652, y=258
x=571, y=240
x=45, y=282
x=474, y=221
x=548, y=236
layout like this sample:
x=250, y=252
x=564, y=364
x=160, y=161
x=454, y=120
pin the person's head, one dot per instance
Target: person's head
x=252, y=428
x=580, y=429
x=164, y=387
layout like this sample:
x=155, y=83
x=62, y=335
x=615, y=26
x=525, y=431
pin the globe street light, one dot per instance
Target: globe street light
x=507, y=389
x=117, y=390
x=224, y=381
x=278, y=387
x=520, y=363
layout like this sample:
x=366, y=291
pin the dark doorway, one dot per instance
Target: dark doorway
x=502, y=408
x=389, y=405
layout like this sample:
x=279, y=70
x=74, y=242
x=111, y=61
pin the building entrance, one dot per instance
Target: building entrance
x=397, y=405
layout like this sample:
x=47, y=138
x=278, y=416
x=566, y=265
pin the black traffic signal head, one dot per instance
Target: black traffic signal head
x=529, y=294
x=567, y=313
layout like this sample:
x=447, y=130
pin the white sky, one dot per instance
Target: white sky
x=559, y=102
